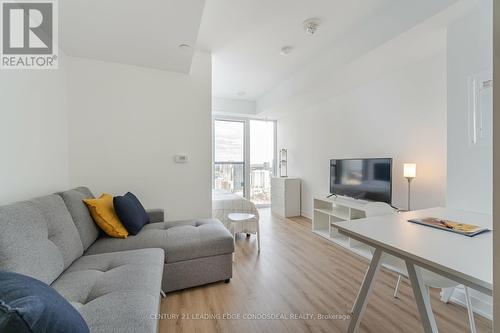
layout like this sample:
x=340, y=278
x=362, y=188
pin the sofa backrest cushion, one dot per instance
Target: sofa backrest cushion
x=25, y=246
x=84, y=223
x=61, y=228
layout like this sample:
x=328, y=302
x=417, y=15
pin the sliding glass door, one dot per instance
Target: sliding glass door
x=229, y=156
x=262, y=150
x=244, y=158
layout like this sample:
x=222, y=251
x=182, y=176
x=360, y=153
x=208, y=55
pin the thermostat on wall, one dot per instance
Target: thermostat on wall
x=181, y=158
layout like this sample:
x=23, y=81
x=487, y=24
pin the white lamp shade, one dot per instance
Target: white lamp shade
x=410, y=170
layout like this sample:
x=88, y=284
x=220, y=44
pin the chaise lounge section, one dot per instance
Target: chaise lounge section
x=197, y=252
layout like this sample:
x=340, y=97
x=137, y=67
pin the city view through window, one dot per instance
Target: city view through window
x=261, y=161
x=229, y=164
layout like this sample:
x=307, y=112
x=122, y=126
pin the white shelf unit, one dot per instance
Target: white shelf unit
x=285, y=196
x=328, y=211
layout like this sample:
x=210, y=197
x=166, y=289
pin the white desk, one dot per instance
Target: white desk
x=467, y=260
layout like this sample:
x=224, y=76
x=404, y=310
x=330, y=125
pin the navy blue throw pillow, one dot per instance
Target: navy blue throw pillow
x=140, y=207
x=30, y=306
x=130, y=212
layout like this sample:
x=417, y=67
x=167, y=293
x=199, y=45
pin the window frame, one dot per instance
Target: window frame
x=246, y=149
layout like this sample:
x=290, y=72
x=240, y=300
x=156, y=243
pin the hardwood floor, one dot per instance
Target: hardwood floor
x=300, y=273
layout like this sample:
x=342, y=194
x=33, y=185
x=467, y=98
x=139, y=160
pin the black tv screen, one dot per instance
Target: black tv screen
x=367, y=178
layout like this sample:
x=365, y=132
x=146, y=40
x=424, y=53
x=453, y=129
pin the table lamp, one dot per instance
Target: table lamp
x=410, y=172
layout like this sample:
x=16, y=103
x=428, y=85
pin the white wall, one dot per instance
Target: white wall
x=396, y=111
x=33, y=133
x=470, y=167
x=401, y=115
x=126, y=124
x=228, y=106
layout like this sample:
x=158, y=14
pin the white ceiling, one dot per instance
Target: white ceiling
x=144, y=33
x=407, y=32
x=245, y=38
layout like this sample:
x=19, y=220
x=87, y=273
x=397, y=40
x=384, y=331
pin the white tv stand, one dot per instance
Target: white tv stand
x=338, y=209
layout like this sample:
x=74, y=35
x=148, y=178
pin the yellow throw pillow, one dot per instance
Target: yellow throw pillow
x=104, y=215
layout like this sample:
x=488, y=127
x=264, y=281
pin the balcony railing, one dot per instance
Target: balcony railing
x=230, y=176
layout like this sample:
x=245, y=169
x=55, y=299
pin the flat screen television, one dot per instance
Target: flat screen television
x=363, y=178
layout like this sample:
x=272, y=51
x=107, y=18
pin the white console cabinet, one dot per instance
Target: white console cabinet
x=285, y=196
x=336, y=209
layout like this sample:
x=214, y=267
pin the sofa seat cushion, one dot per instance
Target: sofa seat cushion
x=181, y=240
x=115, y=292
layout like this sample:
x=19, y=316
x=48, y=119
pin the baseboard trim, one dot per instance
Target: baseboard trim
x=306, y=214
x=481, y=303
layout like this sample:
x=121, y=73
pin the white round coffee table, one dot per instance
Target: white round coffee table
x=244, y=217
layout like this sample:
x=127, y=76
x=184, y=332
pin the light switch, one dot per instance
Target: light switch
x=181, y=158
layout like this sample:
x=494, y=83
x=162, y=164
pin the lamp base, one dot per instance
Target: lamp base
x=409, y=192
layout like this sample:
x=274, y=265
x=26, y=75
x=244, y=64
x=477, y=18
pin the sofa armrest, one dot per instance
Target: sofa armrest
x=156, y=215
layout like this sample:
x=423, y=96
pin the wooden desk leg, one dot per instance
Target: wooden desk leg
x=364, y=292
x=422, y=298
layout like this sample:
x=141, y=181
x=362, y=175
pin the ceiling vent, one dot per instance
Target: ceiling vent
x=311, y=26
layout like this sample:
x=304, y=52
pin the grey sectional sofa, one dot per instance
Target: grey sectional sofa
x=113, y=283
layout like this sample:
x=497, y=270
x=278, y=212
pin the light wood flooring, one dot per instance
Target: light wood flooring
x=298, y=272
